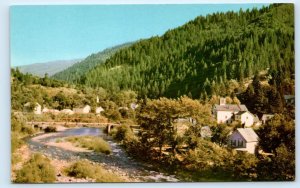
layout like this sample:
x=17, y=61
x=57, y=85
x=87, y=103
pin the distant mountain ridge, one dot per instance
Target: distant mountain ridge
x=51, y=67
x=74, y=73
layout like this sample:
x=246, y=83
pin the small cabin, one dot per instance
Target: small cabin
x=84, y=110
x=67, y=111
x=244, y=139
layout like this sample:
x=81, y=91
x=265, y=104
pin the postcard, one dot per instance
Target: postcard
x=152, y=93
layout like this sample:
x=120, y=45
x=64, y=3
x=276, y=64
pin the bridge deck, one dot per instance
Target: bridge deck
x=72, y=123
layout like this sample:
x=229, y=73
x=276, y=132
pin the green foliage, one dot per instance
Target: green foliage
x=96, y=144
x=200, y=58
x=211, y=160
x=122, y=133
x=16, y=141
x=243, y=166
x=206, y=155
x=17, y=122
x=23, y=89
x=111, y=111
x=220, y=134
x=84, y=169
x=18, y=130
x=15, y=158
x=279, y=130
x=74, y=73
x=277, y=136
x=279, y=167
x=156, y=119
x=37, y=170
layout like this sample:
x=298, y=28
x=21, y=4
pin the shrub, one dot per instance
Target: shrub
x=112, y=114
x=122, y=133
x=96, y=144
x=27, y=130
x=84, y=169
x=16, y=142
x=50, y=129
x=37, y=170
x=18, y=124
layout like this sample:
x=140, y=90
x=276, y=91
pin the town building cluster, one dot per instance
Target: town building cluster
x=242, y=139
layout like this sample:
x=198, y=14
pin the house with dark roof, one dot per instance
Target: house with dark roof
x=289, y=99
x=227, y=113
x=244, y=139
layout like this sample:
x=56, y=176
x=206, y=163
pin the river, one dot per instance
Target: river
x=117, y=160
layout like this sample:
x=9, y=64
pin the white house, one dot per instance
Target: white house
x=224, y=113
x=245, y=117
x=52, y=111
x=85, y=110
x=134, y=106
x=244, y=139
x=67, y=111
x=37, y=109
x=99, y=110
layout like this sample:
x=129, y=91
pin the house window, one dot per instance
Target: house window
x=233, y=142
x=240, y=143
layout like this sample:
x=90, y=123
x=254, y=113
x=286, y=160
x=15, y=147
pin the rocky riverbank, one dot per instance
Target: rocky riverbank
x=64, y=154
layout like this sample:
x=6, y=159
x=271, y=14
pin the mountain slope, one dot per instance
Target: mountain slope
x=74, y=73
x=40, y=69
x=199, y=58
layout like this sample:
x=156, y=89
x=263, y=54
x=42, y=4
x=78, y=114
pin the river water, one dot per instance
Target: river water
x=118, y=159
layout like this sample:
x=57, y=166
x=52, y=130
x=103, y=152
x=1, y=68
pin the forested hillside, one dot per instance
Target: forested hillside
x=74, y=73
x=204, y=56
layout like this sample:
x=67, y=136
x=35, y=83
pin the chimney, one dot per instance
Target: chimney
x=222, y=101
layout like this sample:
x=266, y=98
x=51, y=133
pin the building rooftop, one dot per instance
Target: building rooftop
x=288, y=97
x=231, y=107
x=240, y=112
x=248, y=134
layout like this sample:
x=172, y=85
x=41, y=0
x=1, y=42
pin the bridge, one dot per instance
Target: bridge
x=44, y=124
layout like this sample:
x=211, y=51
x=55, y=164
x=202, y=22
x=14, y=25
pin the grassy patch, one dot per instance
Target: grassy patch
x=58, y=140
x=94, y=143
x=16, y=141
x=15, y=158
x=84, y=169
x=37, y=170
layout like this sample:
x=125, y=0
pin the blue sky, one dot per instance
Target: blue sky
x=46, y=33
